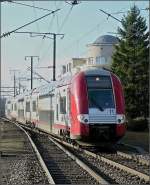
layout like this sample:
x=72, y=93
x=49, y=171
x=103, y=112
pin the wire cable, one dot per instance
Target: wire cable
x=35, y=15
x=57, y=17
x=29, y=68
x=8, y=33
x=63, y=23
x=29, y=6
x=48, y=48
x=121, y=12
x=65, y=19
x=82, y=37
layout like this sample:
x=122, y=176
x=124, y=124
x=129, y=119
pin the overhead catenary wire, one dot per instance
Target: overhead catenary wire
x=29, y=68
x=43, y=40
x=54, y=50
x=35, y=15
x=131, y=27
x=109, y=15
x=65, y=19
x=40, y=46
x=45, y=53
x=121, y=12
x=61, y=26
x=57, y=16
x=27, y=5
x=82, y=37
x=8, y=33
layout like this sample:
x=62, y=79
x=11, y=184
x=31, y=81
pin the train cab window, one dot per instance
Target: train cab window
x=100, y=92
x=27, y=106
x=101, y=98
x=34, y=106
x=63, y=105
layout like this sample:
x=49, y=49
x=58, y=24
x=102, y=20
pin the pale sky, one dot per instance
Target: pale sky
x=81, y=26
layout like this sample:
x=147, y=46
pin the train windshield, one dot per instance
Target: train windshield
x=101, y=99
x=100, y=92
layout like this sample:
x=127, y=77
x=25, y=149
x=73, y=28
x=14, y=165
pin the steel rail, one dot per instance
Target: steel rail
x=110, y=162
x=81, y=164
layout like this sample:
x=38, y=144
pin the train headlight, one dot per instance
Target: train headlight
x=83, y=118
x=121, y=118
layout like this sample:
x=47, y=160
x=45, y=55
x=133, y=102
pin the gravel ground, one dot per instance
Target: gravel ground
x=22, y=169
x=144, y=156
x=116, y=175
x=18, y=163
x=131, y=163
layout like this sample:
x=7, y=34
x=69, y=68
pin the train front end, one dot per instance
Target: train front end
x=97, y=107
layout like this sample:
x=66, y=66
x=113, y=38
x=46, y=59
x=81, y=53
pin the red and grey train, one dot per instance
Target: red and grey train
x=87, y=106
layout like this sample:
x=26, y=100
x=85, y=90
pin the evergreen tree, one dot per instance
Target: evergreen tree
x=131, y=63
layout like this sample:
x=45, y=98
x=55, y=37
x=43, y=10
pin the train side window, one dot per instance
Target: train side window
x=34, y=106
x=63, y=105
x=27, y=106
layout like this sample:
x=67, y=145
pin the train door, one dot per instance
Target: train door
x=68, y=107
x=28, y=109
x=21, y=110
x=44, y=112
x=34, y=116
x=37, y=109
x=63, y=108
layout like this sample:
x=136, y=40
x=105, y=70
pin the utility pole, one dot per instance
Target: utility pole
x=19, y=86
x=44, y=35
x=14, y=79
x=54, y=57
x=14, y=85
x=54, y=51
x=31, y=57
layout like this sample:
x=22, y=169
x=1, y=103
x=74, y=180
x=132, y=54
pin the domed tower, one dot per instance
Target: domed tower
x=101, y=50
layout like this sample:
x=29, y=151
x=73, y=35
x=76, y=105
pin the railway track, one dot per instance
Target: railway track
x=59, y=164
x=119, y=168
x=68, y=164
x=20, y=162
x=65, y=167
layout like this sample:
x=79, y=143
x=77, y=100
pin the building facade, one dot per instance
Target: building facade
x=101, y=50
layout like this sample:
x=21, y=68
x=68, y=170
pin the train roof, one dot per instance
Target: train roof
x=93, y=70
x=64, y=80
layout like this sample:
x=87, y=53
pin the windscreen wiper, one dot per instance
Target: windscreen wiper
x=96, y=104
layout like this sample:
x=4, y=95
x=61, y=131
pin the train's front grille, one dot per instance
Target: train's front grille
x=102, y=119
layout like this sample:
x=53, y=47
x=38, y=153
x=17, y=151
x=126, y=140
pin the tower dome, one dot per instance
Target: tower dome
x=106, y=39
